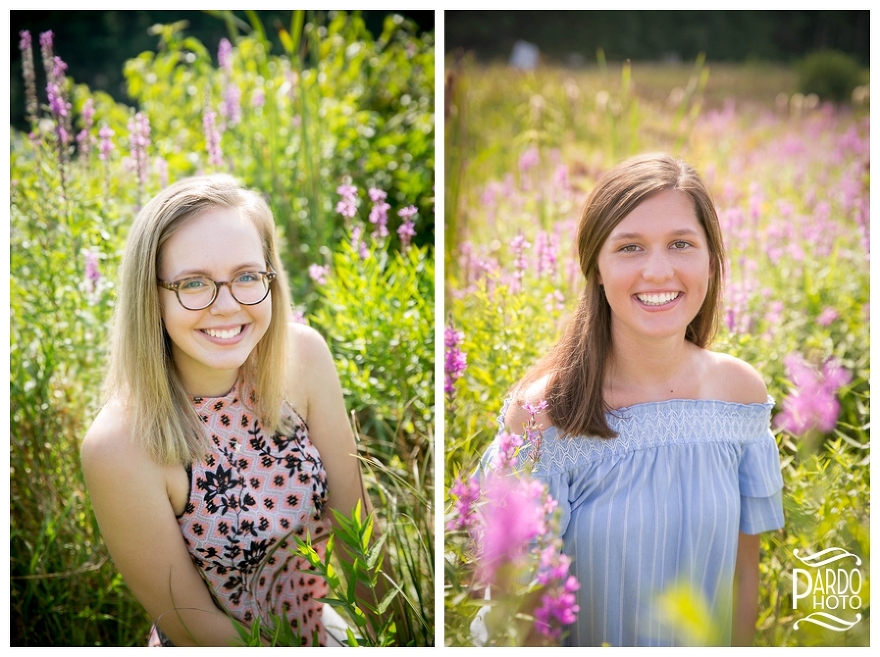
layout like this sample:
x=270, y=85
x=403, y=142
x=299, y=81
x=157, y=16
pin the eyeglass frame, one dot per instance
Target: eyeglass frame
x=270, y=276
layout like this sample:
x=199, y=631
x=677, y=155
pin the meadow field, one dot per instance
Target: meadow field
x=790, y=179
x=337, y=132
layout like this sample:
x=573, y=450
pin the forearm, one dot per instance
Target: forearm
x=745, y=591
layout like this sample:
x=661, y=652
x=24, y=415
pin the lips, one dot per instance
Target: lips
x=657, y=298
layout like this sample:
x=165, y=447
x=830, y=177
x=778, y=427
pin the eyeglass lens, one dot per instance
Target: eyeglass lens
x=197, y=293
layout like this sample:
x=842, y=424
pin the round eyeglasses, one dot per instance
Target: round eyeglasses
x=199, y=292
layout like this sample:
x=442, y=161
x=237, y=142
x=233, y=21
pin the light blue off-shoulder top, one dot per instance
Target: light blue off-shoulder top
x=657, y=511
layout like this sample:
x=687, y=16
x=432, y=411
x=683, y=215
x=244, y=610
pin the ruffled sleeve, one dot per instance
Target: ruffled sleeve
x=760, y=482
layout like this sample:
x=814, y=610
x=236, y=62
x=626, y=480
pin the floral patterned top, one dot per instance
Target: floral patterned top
x=249, y=498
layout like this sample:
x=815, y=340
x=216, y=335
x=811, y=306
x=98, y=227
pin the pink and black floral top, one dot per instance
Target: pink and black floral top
x=249, y=498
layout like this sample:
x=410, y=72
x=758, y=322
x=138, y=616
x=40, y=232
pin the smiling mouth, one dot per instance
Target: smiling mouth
x=658, y=299
x=224, y=334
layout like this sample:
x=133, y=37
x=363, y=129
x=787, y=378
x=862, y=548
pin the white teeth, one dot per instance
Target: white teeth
x=223, y=335
x=657, y=299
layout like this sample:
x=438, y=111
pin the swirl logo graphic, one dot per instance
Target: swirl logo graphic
x=832, y=591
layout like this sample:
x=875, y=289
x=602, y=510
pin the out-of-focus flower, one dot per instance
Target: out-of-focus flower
x=84, y=139
x=346, y=207
x=318, y=273
x=379, y=212
x=224, y=54
x=358, y=244
x=106, y=146
x=518, y=245
x=160, y=165
x=513, y=516
x=560, y=605
x=465, y=515
x=407, y=229
x=139, y=142
x=30, y=76
x=258, y=98
x=297, y=316
x=456, y=361
x=93, y=274
x=812, y=404
x=508, y=444
x=827, y=317
x=212, y=137
x=529, y=159
x=547, y=248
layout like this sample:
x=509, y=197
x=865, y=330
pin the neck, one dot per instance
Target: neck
x=647, y=364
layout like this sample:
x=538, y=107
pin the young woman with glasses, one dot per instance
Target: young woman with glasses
x=224, y=435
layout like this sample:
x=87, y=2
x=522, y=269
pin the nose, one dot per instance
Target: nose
x=225, y=302
x=657, y=267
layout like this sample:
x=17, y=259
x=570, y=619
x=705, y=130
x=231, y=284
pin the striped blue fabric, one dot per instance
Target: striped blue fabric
x=658, y=510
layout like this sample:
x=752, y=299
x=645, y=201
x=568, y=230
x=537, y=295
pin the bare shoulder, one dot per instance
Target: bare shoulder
x=109, y=443
x=518, y=415
x=735, y=380
x=308, y=348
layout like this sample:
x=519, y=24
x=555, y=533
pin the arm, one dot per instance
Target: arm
x=745, y=589
x=330, y=431
x=130, y=500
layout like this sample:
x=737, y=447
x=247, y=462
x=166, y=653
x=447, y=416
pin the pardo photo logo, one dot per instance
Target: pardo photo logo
x=830, y=592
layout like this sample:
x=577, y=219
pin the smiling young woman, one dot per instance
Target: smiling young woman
x=224, y=434
x=657, y=450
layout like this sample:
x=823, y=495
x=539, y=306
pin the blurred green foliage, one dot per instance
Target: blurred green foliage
x=831, y=75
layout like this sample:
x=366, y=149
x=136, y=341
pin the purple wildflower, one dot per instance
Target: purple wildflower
x=358, y=244
x=379, y=213
x=518, y=245
x=212, y=137
x=258, y=98
x=529, y=159
x=456, y=361
x=224, y=55
x=160, y=165
x=93, y=274
x=46, y=52
x=813, y=403
x=29, y=74
x=407, y=230
x=139, y=142
x=106, y=147
x=465, y=515
x=508, y=444
x=557, y=609
x=297, y=316
x=514, y=516
x=346, y=207
x=547, y=249
x=828, y=316
x=84, y=139
x=319, y=273
x=230, y=108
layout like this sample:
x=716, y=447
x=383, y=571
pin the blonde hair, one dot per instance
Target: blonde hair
x=141, y=373
x=576, y=365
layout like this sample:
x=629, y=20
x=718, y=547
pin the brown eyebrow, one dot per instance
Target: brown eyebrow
x=189, y=273
x=681, y=232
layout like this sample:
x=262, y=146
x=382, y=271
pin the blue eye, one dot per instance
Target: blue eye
x=247, y=278
x=194, y=285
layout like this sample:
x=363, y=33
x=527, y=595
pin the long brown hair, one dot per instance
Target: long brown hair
x=576, y=365
x=142, y=375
